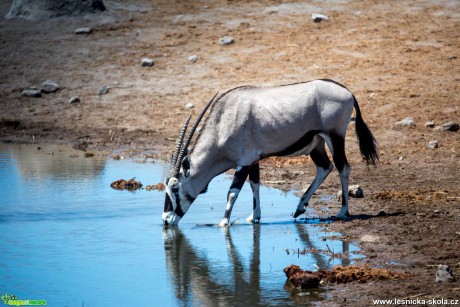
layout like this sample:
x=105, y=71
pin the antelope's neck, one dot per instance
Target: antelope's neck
x=204, y=167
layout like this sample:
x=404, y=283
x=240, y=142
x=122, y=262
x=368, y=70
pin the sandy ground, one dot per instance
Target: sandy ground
x=400, y=58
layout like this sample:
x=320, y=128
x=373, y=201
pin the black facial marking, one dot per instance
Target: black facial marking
x=178, y=210
x=168, y=204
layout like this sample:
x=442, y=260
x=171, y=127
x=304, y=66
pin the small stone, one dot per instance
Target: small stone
x=84, y=30
x=31, y=93
x=450, y=126
x=226, y=40
x=319, y=17
x=433, y=144
x=74, y=99
x=189, y=106
x=354, y=191
x=104, y=90
x=193, y=58
x=429, y=124
x=451, y=57
x=401, y=158
x=147, y=62
x=444, y=273
x=49, y=86
x=406, y=122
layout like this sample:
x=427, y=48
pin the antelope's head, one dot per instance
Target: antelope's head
x=177, y=202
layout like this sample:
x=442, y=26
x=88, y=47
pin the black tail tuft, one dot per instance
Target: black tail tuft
x=366, y=141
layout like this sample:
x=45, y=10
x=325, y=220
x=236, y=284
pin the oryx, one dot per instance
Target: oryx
x=248, y=124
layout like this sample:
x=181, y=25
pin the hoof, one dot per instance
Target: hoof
x=342, y=217
x=252, y=220
x=299, y=212
x=224, y=223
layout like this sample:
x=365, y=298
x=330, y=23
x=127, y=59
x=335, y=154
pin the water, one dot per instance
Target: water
x=68, y=238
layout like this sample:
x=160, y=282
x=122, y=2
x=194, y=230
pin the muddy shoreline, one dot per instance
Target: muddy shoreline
x=399, y=59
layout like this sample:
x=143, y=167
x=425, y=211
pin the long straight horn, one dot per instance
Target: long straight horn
x=190, y=135
x=178, y=146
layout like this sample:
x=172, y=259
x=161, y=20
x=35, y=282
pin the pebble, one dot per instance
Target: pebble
x=450, y=126
x=433, y=144
x=444, y=273
x=226, y=40
x=49, y=86
x=84, y=30
x=319, y=17
x=147, y=62
x=354, y=191
x=104, y=90
x=193, y=58
x=74, y=99
x=429, y=124
x=189, y=106
x=31, y=93
x=406, y=122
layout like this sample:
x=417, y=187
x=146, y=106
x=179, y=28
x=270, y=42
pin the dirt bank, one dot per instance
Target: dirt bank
x=400, y=58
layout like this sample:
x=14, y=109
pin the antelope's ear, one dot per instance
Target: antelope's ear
x=186, y=165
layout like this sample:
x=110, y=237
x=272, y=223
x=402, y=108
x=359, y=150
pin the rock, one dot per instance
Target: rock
x=49, y=86
x=433, y=144
x=444, y=273
x=189, y=106
x=429, y=124
x=147, y=62
x=104, y=90
x=33, y=9
x=450, y=126
x=319, y=17
x=193, y=58
x=74, y=99
x=226, y=40
x=31, y=93
x=406, y=122
x=84, y=30
x=354, y=191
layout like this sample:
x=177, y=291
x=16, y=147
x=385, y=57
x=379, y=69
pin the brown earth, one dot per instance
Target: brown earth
x=400, y=58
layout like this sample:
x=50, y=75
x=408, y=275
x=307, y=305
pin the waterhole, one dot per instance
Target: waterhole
x=67, y=237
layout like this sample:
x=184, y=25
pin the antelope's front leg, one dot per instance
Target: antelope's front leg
x=238, y=180
x=254, y=180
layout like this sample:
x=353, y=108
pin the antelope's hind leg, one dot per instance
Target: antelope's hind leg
x=238, y=180
x=254, y=180
x=323, y=168
x=342, y=165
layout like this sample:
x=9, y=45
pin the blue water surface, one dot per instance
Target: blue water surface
x=67, y=237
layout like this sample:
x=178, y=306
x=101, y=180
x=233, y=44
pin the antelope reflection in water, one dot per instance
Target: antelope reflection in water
x=200, y=280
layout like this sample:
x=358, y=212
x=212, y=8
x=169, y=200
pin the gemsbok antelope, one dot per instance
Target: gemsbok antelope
x=248, y=124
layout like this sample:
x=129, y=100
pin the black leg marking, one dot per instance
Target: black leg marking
x=341, y=162
x=254, y=173
x=323, y=168
x=338, y=155
x=238, y=181
x=240, y=177
x=319, y=157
